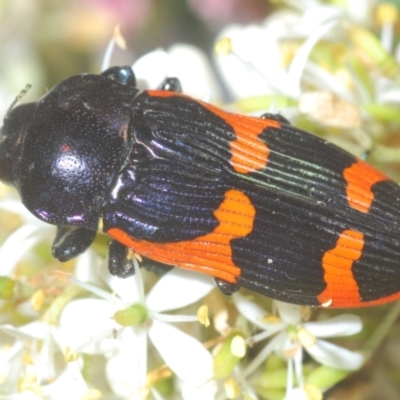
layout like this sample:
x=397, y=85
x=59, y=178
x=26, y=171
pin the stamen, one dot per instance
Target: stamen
x=238, y=346
x=202, y=315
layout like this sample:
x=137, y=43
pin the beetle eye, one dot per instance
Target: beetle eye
x=12, y=136
x=5, y=169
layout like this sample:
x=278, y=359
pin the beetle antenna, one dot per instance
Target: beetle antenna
x=18, y=98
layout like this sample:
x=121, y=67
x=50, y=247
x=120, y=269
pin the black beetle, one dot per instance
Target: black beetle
x=253, y=202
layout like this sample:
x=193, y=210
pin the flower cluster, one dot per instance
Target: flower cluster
x=323, y=67
x=81, y=333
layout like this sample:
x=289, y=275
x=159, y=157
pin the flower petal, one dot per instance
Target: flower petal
x=86, y=267
x=126, y=289
x=258, y=70
x=16, y=207
x=126, y=370
x=182, y=61
x=87, y=324
x=296, y=394
x=335, y=356
x=290, y=313
x=178, y=288
x=255, y=314
x=69, y=385
x=342, y=325
x=32, y=331
x=186, y=356
x=191, y=66
x=204, y=392
x=19, y=242
x=296, y=68
x=147, y=69
x=274, y=345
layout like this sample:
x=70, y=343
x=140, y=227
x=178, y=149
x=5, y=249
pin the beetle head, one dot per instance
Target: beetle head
x=64, y=152
x=12, y=135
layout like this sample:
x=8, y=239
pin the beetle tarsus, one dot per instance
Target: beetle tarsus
x=226, y=288
x=123, y=75
x=171, y=85
x=275, y=117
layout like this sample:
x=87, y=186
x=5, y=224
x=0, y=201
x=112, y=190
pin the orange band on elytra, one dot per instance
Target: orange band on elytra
x=211, y=253
x=359, y=180
x=249, y=152
x=341, y=287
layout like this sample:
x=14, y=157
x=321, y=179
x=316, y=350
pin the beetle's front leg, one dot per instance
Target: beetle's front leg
x=120, y=264
x=71, y=241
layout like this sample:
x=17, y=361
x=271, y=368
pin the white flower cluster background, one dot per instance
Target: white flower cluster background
x=73, y=331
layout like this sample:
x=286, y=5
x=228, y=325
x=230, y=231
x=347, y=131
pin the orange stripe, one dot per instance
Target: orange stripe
x=359, y=178
x=341, y=287
x=211, y=253
x=164, y=93
x=249, y=153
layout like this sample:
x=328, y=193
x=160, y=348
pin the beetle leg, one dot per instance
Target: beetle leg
x=119, y=264
x=226, y=287
x=122, y=75
x=275, y=117
x=171, y=85
x=71, y=241
x=155, y=266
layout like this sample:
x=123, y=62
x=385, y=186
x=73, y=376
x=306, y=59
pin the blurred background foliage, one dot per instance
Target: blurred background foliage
x=43, y=41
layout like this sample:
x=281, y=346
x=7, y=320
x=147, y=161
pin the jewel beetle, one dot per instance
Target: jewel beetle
x=253, y=202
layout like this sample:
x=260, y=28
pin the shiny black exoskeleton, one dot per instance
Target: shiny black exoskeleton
x=64, y=154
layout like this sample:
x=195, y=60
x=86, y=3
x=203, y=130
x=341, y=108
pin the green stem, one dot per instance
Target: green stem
x=384, y=154
x=382, y=330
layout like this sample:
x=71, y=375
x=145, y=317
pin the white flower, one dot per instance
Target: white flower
x=30, y=233
x=29, y=367
x=290, y=336
x=183, y=61
x=273, y=60
x=88, y=326
x=204, y=392
x=259, y=69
